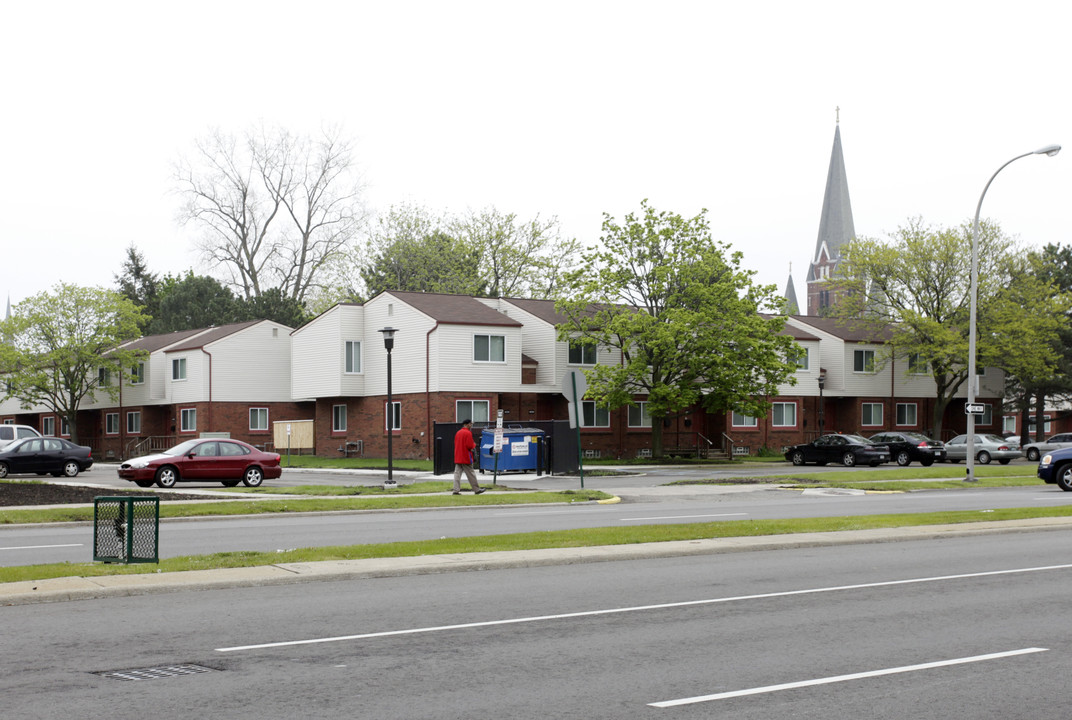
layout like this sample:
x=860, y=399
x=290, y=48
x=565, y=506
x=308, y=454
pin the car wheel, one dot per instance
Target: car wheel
x=167, y=476
x=926, y=463
x=848, y=459
x=903, y=459
x=229, y=483
x=798, y=458
x=71, y=468
x=983, y=457
x=1033, y=454
x=1064, y=477
x=1005, y=462
x=253, y=478
x=143, y=483
x=3, y=469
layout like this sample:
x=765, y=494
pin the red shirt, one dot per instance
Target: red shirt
x=463, y=447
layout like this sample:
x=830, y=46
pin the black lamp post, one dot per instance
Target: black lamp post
x=822, y=384
x=389, y=343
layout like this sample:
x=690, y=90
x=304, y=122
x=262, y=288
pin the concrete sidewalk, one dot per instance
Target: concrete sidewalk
x=80, y=588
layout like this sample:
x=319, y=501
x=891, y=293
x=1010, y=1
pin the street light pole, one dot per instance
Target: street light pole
x=389, y=344
x=1050, y=151
x=822, y=384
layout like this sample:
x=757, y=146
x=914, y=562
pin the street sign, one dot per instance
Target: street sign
x=974, y=408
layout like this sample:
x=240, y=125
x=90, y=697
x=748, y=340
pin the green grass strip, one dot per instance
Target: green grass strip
x=532, y=541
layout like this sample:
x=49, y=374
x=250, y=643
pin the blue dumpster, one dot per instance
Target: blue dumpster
x=522, y=449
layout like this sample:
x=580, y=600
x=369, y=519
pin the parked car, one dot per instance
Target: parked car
x=1056, y=468
x=905, y=447
x=1035, y=450
x=229, y=461
x=11, y=433
x=848, y=450
x=987, y=447
x=41, y=455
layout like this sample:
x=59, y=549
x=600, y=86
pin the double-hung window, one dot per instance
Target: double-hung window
x=178, y=368
x=593, y=415
x=188, y=420
x=489, y=348
x=338, y=418
x=134, y=422
x=111, y=423
x=353, y=357
x=48, y=425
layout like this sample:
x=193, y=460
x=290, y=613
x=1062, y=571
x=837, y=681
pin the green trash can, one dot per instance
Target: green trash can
x=126, y=529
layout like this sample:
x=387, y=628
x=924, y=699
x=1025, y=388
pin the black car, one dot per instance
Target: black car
x=1056, y=467
x=41, y=455
x=905, y=447
x=848, y=450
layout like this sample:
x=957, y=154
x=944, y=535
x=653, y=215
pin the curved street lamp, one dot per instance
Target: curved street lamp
x=1050, y=151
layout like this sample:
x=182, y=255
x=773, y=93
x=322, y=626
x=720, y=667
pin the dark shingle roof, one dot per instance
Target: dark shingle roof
x=212, y=335
x=454, y=309
x=152, y=343
x=848, y=332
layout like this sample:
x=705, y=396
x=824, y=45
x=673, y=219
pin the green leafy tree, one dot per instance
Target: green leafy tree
x=58, y=342
x=685, y=316
x=195, y=301
x=272, y=304
x=917, y=285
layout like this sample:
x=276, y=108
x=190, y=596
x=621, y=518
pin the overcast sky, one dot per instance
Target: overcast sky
x=567, y=109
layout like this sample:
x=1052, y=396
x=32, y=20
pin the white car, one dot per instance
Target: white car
x=987, y=447
x=1035, y=450
x=11, y=433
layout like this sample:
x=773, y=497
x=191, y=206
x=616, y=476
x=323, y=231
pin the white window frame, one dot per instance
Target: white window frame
x=111, y=423
x=988, y=416
x=872, y=406
x=594, y=416
x=583, y=353
x=178, y=369
x=909, y=409
x=491, y=356
x=803, y=357
x=392, y=416
x=639, y=417
x=48, y=425
x=188, y=420
x=65, y=427
x=134, y=422
x=255, y=415
x=741, y=420
x=1008, y=423
x=917, y=365
x=468, y=412
x=338, y=419
x=137, y=374
x=868, y=368
x=104, y=377
x=783, y=406
x=352, y=357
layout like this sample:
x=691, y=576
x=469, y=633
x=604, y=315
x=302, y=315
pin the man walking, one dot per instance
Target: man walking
x=463, y=458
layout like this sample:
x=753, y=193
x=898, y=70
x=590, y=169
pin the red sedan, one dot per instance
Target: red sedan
x=229, y=461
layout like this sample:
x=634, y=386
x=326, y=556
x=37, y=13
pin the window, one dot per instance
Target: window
x=137, y=374
x=178, y=369
x=111, y=423
x=1008, y=423
x=338, y=418
x=582, y=354
x=104, y=377
x=988, y=416
x=188, y=420
x=639, y=416
x=871, y=414
x=803, y=358
x=134, y=422
x=863, y=361
x=393, y=415
x=593, y=415
x=917, y=365
x=48, y=425
x=65, y=427
x=489, y=348
x=784, y=414
x=353, y=356
x=475, y=410
x=258, y=418
x=906, y=413
x=740, y=420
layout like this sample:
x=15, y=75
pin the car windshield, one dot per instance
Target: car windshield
x=182, y=448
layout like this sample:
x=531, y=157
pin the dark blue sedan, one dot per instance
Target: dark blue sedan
x=1056, y=467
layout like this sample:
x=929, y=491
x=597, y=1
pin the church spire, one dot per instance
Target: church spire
x=835, y=226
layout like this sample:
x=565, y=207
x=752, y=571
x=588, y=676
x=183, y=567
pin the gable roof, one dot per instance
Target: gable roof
x=152, y=343
x=211, y=335
x=454, y=309
x=848, y=333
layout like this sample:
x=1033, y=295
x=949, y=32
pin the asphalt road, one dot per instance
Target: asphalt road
x=955, y=628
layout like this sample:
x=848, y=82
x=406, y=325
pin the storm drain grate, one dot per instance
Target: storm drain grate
x=155, y=673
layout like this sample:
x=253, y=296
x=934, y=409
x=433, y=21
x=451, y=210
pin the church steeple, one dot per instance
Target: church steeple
x=791, y=305
x=835, y=228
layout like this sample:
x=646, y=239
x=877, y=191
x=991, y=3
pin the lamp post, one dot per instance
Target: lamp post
x=389, y=344
x=822, y=384
x=1050, y=151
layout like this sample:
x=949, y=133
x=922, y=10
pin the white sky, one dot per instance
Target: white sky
x=557, y=108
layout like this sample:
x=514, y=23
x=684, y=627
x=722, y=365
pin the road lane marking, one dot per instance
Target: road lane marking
x=640, y=608
x=844, y=678
x=40, y=547
x=682, y=517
